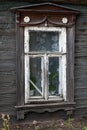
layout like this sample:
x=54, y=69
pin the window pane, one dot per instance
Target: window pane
x=53, y=76
x=44, y=41
x=35, y=76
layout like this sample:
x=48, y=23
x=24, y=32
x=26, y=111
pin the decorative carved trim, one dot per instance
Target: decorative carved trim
x=17, y=18
x=38, y=22
x=60, y=23
x=47, y=107
x=45, y=13
x=46, y=20
x=51, y=15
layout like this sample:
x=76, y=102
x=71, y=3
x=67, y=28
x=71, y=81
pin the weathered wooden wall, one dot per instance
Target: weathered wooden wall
x=81, y=61
x=8, y=58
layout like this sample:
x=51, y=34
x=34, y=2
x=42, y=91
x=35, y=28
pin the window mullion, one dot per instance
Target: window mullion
x=60, y=76
x=43, y=77
x=27, y=75
x=46, y=77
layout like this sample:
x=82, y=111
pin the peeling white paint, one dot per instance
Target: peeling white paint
x=44, y=62
x=63, y=76
x=62, y=45
x=26, y=78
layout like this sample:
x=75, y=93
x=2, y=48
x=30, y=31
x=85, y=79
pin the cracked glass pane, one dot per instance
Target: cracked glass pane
x=43, y=41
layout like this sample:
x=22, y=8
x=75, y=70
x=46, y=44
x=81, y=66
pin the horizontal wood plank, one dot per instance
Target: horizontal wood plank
x=8, y=72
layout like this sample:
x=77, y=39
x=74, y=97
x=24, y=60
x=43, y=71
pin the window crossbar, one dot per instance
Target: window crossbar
x=35, y=87
x=42, y=53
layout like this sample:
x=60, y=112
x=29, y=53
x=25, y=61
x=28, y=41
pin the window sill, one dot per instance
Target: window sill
x=51, y=99
x=49, y=106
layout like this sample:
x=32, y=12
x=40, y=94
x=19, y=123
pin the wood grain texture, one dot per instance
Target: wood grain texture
x=81, y=63
x=7, y=61
x=8, y=98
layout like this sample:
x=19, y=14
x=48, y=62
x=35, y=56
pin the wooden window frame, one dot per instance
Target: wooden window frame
x=48, y=15
x=60, y=54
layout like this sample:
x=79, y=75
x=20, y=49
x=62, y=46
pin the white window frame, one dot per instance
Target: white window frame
x=61, y=53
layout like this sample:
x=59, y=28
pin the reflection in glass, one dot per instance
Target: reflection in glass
x=53, y=76
x=35, y=76
x=43, y=41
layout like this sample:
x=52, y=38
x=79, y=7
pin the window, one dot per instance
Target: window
x=45, y=58
x=45, y=63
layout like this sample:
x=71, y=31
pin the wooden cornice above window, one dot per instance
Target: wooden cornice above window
x=47, y=14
